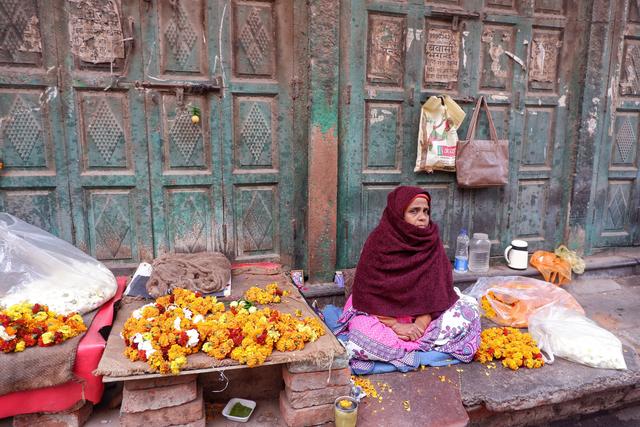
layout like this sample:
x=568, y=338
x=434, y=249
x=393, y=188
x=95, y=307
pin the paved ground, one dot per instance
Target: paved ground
x=561, y=395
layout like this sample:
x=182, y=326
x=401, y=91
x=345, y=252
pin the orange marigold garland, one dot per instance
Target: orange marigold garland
x=271, y=293
x=26, y=325
x=515, y=348
x=165, y=332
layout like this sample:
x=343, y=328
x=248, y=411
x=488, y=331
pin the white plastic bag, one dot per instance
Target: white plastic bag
x=565, y=333
x=38, y=267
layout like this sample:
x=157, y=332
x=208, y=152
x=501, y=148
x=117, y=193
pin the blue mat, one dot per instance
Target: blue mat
x=331, y=315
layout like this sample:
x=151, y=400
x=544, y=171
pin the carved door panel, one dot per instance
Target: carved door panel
x=106, y=141
x=539, y=56
x=33, y=180
x=398, y=54
x=617, y=197
x=224, y=183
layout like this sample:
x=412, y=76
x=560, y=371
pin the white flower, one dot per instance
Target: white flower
x=187, y=313
x=137, y=313
x=147, y=347
x=137, y=338
x=233, y=304
x=252, y=310
x=176, y=324
x=194, y=337
x=4, y=335
x=198, y=318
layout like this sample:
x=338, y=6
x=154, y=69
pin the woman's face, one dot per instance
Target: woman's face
x=417, y=213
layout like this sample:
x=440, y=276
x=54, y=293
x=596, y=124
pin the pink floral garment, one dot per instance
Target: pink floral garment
x=455, y=332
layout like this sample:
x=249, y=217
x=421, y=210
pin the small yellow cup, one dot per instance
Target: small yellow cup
x=346, y=411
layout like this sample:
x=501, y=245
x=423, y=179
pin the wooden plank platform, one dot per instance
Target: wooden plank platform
x=114, y=366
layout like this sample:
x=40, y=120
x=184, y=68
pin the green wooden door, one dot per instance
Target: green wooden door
x=226, y=182
x=34, y=181
x=399, y=53
x=96, y=135
x=106, y=142
x=614, y=214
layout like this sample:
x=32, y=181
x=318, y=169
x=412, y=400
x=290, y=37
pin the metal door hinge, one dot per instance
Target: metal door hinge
x=347, y=95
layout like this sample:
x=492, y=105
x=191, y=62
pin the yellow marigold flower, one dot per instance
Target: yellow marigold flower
x=20, y=346
x=177, y=364
x=47, y=337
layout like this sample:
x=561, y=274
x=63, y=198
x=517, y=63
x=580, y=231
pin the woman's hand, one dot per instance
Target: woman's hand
x=422, y=322
x=407, y=331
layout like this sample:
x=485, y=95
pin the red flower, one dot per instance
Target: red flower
x=36, y=308
x=262, y=338
x=538, y=356
x=7, y=346
x=4, y=320
x=183, y=339
x=505, y=331
x=274, y=316
x=236, y=336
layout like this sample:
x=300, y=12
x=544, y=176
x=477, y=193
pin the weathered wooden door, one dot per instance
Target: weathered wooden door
x=519, y=54
x=106, y=144
x=613, y=219
x=34, y=179
x=96, y=135
x=224, y=183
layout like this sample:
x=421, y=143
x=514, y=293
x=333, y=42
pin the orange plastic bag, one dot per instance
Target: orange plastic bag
x=553, y=268
x=510, y=300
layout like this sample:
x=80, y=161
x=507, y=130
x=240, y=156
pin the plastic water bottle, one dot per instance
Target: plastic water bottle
x=479, y=249
x=461, y=263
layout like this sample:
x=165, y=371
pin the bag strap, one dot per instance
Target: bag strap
x=492, y=128
x=474, y=119
x=482, y=103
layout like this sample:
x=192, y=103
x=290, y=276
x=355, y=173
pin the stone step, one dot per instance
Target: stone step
x=429, y=397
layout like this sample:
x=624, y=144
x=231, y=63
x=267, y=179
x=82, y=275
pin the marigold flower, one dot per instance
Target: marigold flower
x=244, y=332
x=515, y=348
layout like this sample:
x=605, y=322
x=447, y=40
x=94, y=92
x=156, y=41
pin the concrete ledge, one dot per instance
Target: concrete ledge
x=615, y=262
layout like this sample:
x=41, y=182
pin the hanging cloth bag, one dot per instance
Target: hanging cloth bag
x=440, y=118
x=482, y=163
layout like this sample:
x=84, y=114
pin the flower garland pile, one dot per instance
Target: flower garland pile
x=271, y=294
x=26, y=325
x=515, y=348
x=488, y=310
x=165, y=332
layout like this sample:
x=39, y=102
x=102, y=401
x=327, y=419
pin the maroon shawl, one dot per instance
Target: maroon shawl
x=403, y=270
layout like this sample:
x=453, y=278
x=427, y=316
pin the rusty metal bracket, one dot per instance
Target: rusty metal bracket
x=190, y=88
x=347, y=95
x=455, y=23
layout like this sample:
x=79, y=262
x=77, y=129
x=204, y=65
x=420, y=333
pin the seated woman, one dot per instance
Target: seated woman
x=403, y=300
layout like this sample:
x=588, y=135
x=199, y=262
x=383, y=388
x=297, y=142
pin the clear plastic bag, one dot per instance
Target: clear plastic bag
x=565, y=333
x=510, y=300
x=38, y=267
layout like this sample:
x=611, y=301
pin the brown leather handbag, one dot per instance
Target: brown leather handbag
x=482, y=163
